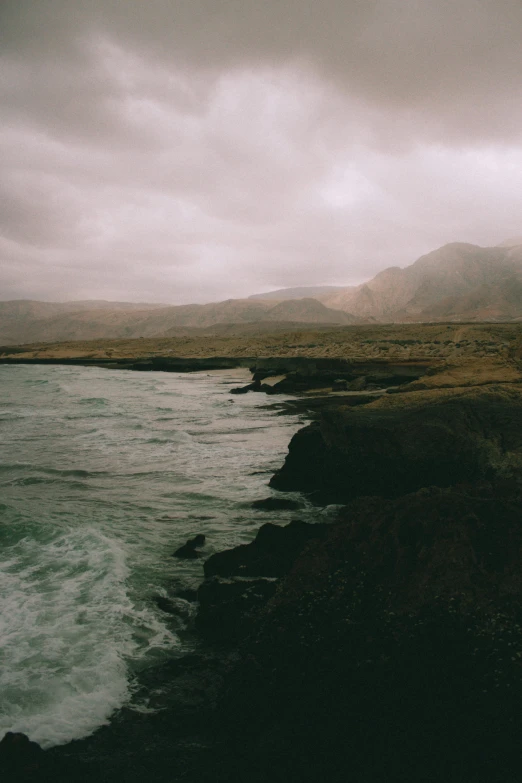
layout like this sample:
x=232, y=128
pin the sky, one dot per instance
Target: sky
x=185, y=151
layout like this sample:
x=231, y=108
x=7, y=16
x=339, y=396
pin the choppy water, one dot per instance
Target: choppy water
x=102, y=475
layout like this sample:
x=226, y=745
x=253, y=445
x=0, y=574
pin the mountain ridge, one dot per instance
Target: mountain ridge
x=456, y=282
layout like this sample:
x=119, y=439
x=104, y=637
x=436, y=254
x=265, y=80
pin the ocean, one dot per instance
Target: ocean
x=103, y=475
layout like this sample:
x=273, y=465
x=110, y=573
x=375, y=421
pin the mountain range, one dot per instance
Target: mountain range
x=457, y=282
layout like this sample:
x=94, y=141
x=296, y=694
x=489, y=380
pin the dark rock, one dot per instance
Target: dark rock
x=227, y=608
x=188, y=550
x=255, y=386
x=176, y=605
x=276, y=504
x=391, y=450
x=20, y=758
x=260, y=375
x=271, y=554
x=165, y=604
x=187, y=595
x=340, y=384
x=392, y=651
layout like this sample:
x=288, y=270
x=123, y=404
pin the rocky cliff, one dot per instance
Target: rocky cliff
x=390, y=648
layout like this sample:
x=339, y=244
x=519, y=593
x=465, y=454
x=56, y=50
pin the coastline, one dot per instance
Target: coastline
x=383, y=646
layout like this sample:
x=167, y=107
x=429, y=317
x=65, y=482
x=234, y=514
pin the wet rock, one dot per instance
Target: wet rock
x=271, y=554
x=165, y=604
x=244, y=389
x=187, y=595
x=228, y=607
x=188, y=550
x=20, y=758
x=276, y=504
x=177, y=606
x=340, y=384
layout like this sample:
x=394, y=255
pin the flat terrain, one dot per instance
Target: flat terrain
x=398, y=342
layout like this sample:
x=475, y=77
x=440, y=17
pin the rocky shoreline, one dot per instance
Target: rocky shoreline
x=385, y=646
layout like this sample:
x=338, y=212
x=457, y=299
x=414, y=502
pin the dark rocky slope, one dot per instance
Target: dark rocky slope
x=392, y=651
x=392, y=648
x=397, y=445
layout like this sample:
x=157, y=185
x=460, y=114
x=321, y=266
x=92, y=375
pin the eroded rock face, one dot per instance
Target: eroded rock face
x=240, y=581
x=271, y=554
x=393, y=648
x=395, y=446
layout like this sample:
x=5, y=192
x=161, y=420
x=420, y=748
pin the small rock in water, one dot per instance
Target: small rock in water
x=276, y=504
x=188, y=550
x=245, y=389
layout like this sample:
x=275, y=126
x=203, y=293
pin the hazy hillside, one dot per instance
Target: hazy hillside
x=309, y=311
x=303, y=292
x=458, y=281
x=22, y=322
x=25, y=316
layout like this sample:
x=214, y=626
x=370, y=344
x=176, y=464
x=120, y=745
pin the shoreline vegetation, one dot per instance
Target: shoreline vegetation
x=383, y=646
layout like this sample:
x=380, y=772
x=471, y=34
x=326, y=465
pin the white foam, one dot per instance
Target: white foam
x=67, y=630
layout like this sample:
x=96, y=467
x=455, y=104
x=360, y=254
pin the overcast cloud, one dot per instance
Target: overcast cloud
x=195, y=150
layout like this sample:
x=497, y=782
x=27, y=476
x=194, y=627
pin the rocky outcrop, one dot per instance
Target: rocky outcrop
x=189, y=550
x=393, y=648
x=240, y=581
x=400, y=444
x=20, y=759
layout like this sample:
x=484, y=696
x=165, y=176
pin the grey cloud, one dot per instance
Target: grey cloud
x=453, y=62
x=190, y=151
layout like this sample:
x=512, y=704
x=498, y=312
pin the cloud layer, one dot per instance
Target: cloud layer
x=195, y=151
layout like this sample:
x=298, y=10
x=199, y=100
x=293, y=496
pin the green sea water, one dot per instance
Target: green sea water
x=103, y=474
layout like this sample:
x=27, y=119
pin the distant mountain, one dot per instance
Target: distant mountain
x=304, y=292
x=21, y=316
x=25, y=322
x=456, y=282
